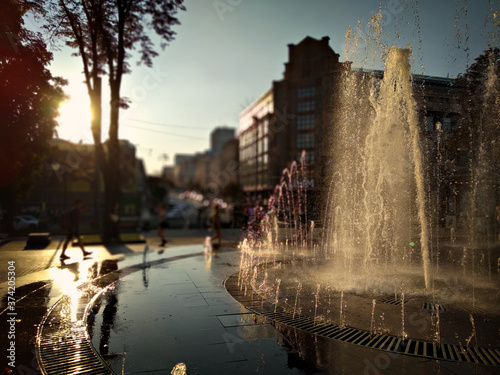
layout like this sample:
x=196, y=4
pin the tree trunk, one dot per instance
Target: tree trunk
x=102, y=165
x=112, y=179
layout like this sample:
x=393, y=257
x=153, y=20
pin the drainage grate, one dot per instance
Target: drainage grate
x=63, y=346
x=436, y=306
x=391, y=300
x=472, y=310
x=419, y=348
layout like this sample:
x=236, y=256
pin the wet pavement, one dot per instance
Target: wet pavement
x=38, y=280
x=179, y=311
x=148, y=309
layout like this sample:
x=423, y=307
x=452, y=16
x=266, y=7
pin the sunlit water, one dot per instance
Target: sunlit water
x=377, y=237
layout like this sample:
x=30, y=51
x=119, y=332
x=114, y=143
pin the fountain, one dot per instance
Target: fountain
x=380, y=253
x=380, y=207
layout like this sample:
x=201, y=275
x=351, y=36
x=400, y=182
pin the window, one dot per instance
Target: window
x=447, y=123
x=306, y=92
x=429, y=123
x=305, y=122
x=309, y=157
x=265, y=179
x=305, y=140
x=306, y=106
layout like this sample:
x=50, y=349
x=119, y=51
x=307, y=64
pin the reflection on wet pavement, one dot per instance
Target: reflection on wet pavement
x=179, y=369
x=29, y=310
x=62, y=343
x=159, y=310
x=183, y=314
x=178, y=311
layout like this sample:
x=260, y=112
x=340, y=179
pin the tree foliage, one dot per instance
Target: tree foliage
x=480, y=87
x=480, y=82
x=29, y=95
x=475, y=145
x=105, y=33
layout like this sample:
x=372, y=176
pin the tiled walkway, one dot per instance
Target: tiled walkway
x=168, y=307
x=179, y=311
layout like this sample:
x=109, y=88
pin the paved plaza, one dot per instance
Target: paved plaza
x=141, y=309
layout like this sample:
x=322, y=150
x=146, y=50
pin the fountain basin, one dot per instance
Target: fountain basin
x=437, y=322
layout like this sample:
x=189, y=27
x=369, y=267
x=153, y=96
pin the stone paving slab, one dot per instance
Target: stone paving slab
x=170, y=306
x=41, y=279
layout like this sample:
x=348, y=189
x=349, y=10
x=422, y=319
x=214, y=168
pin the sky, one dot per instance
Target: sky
x=227, y=53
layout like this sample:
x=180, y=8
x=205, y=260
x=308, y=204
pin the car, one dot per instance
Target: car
x=25, y=221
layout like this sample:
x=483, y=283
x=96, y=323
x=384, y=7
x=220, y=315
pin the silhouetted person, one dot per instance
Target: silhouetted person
x=74, y=268
x=216, y=224
x=162, y=223
x=71, y=223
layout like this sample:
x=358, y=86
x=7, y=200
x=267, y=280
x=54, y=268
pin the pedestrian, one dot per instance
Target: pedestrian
x=162, y=223
x=71, y=224
x=216, y=224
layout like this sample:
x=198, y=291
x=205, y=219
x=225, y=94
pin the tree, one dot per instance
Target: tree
x=29, y=101
x=475, y=143
x=104, y=32
x=480, y=87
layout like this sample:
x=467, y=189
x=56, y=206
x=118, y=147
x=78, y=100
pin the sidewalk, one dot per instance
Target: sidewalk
x=41, y=279
x=155, y=308
x=35, y=260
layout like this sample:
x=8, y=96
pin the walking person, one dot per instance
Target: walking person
x=216, y=224
x=71, y=223
x=162, y=223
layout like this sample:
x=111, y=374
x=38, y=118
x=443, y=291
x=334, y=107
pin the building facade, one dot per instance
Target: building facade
x=219, y=136
x=289, y=118
x=69, y=173
x=214, y=172
x=297, y=113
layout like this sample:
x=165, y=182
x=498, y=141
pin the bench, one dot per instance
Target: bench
x=38, y=239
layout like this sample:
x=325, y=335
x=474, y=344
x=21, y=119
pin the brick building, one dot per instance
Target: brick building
x=297, y=113
x=290, y=117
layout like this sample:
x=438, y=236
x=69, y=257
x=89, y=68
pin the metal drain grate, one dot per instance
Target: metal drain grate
x=434, y=306
x=63, y=346
x=472, y=310
x=419, y=348
x=391, y=300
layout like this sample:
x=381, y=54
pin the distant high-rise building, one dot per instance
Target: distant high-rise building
x=219, y=136
x=181, y=158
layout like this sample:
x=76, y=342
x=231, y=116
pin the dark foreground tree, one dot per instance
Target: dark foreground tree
x=478, y=137
x=475, y=144
x=29, y=101
x=480, y=93
x=105, y=32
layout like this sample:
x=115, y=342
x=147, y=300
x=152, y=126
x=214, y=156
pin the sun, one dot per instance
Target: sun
x=75, y=115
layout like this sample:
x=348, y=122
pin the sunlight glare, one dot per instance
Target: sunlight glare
x=75, y=115
x=65, y=279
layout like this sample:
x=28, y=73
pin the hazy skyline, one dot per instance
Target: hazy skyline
x=228, y=52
